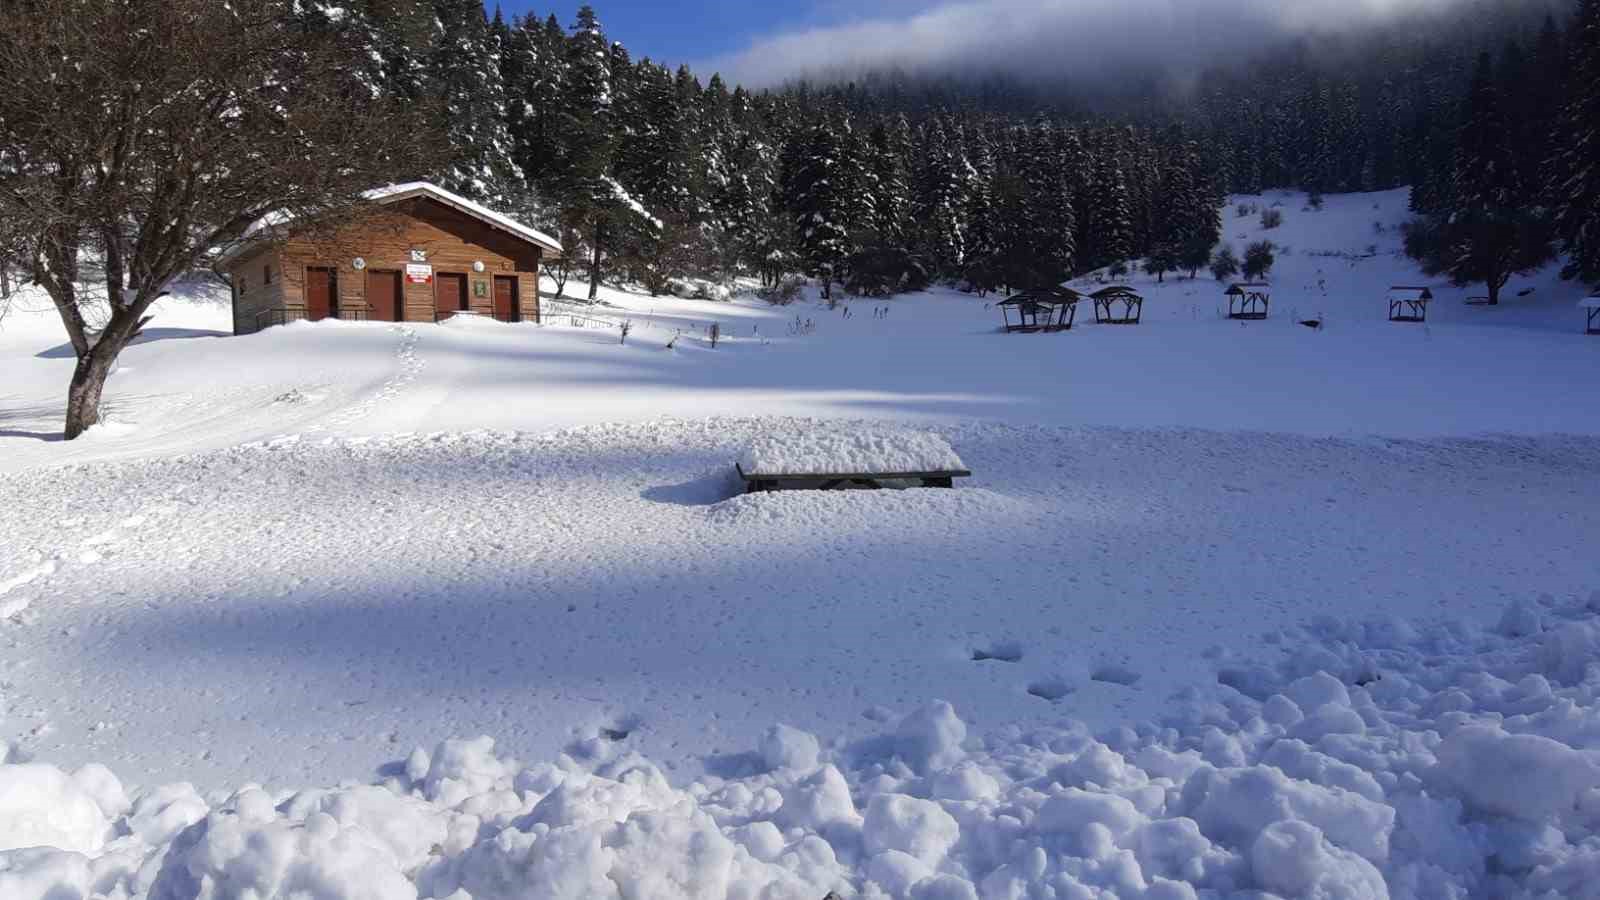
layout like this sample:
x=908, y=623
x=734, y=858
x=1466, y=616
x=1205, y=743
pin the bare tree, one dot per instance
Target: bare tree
x=139, y=136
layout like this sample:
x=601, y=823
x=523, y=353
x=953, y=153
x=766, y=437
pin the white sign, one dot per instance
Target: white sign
x=418, y=256
x=419, y=274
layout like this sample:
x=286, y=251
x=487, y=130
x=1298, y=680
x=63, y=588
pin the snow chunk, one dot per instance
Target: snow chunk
x=1235, y=805
x=834, y=449
x=1292, y=859
x=1524, y=776
x=783, y=747
x=929, y=739
x=41, y=806
x=920, y=828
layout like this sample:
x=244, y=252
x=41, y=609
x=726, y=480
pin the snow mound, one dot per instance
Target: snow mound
x=1471, y=775
x=823, y=450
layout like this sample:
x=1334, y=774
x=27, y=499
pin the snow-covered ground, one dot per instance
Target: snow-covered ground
x=291, y=558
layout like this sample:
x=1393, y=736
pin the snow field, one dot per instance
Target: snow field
x=1467, y=767
x=552, y=589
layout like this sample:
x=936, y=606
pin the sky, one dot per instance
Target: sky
x=764, y=42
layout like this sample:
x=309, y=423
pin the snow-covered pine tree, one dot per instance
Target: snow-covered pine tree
x=587, y=191
x=1492, y=230
x=1113, y=222
x=820, y=205
x=464, y=73
x=406, y=31
x=1577, y=184
x=888, y=153
x=940, y=207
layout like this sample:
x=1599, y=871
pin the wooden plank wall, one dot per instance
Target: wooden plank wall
x=258, y=295
x=452, y=241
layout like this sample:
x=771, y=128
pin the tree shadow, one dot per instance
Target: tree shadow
x=149, y=336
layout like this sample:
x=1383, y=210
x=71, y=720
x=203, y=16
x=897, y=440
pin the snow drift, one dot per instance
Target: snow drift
x=1384, y=760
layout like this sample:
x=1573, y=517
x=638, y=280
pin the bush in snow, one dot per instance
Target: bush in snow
x=1118, y=269
x=1225, y=264
x=1271, y=218
x=1258, y=260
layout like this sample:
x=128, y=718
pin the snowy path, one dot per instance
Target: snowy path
x=300, y=605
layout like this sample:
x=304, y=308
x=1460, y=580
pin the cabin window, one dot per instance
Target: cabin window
x=266, y=274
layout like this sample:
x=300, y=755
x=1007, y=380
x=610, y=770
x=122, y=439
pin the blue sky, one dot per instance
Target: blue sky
x=759, y=43
x=686, y=30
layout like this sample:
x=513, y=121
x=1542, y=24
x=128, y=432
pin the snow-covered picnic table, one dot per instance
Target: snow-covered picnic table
x=828, y=458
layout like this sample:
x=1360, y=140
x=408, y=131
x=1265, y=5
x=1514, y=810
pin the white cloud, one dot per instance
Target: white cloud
x=1052, y=37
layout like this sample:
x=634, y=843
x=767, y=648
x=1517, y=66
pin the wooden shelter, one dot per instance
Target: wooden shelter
x=1249, y=300
x=1118, y=305
x=1043, y=309
x=1591, y=306
x=419, y=254
x=1409, y=304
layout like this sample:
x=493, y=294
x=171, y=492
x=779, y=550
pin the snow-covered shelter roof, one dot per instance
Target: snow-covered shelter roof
x=1590, y=302
x=1408, y=292
x=271, y=224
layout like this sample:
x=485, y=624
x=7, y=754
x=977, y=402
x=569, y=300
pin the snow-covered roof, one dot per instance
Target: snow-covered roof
x=272, y=223
x=1590, y=302
x=396, y=192
x=1406, y=292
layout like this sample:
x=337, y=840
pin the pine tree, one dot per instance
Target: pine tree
x=587, y=188
x=820, y=206
x=464, y=70
x=1578, y=165
x=1113, y=224
x=1491, y=230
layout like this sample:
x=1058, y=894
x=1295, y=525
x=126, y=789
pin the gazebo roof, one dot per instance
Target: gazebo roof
x=1244, y=287
x=1410, y=292
x=1051, y=296
x=1118, y=290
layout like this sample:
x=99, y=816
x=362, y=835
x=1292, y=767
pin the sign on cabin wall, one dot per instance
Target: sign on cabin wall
x=419, y=256
x=480, y=289
x=419, y=273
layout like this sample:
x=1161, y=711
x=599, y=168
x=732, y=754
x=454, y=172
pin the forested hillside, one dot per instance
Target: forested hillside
x=652, y=173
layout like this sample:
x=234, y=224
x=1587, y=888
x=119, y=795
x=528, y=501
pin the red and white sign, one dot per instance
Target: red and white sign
x=419, y=273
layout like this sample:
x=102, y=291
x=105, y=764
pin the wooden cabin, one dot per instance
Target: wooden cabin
x=422, y=254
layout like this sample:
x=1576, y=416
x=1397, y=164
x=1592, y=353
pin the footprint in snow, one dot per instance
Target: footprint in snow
x=1005, y=651
x=1053, y=689
x=1113, y=674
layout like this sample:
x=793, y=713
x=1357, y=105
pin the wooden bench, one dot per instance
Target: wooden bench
x=755, y=482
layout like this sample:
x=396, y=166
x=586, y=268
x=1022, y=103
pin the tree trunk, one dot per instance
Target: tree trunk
x=83, y=395
x=594, y=267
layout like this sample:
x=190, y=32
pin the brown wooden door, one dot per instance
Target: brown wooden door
x=383, y=296
x=505, y=298
x=449, y=295
x=322, y=294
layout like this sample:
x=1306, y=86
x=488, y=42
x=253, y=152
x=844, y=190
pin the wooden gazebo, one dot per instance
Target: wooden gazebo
x=1591, y=306
x=1042, y=309
x=1408, y=303
x=1118, y=305
x=1249, y=300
